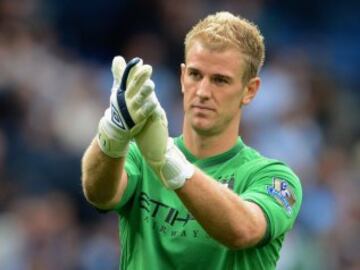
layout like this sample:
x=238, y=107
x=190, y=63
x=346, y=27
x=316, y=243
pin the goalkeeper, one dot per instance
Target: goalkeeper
x=203, y=200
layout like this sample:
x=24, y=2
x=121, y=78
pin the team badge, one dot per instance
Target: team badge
x=282, y=193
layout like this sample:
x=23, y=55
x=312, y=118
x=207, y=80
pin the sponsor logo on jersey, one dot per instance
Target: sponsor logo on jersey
x=282, y=193
x=169, y=221
x=163, y=211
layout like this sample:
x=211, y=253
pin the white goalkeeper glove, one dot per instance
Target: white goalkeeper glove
x=167, y=161
x=131, y=103
x=175, y=169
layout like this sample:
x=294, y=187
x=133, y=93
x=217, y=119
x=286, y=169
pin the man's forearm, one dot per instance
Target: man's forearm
x=101, y=176
x=222, y=213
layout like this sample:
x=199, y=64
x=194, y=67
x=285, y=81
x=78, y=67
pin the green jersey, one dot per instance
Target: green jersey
x=158, y=232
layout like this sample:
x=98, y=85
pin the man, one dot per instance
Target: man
x=203, y=200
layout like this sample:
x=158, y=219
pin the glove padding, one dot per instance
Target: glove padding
x=132, y=101
x=152, y=140
x=166, y=160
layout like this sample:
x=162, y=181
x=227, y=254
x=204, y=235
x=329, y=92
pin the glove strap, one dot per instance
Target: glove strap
x=109, y=140
x=176, y=169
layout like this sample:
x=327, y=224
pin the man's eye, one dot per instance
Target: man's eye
x=194, y=74
x=220, y=80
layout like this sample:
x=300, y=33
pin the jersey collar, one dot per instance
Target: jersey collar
x=209, y=161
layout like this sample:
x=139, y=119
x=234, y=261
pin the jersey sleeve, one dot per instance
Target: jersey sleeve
x=277, y=190
x=133, y=169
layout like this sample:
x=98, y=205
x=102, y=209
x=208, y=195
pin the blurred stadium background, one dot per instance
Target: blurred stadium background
x=55, y=78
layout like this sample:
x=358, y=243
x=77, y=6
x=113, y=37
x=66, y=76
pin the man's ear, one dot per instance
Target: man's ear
x=182, y=66
x=250, y=90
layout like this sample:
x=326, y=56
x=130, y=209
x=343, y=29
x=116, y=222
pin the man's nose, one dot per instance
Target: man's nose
x=204, y=89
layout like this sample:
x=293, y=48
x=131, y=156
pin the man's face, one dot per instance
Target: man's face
x=213, y=90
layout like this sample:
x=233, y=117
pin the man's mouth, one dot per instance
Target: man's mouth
x=203, y=108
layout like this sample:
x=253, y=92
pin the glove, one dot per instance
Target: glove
x=131, y=103
x=166, y=160
x=175, y=169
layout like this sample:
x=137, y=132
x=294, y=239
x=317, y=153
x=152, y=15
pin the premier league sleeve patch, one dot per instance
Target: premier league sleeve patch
x=282, y=193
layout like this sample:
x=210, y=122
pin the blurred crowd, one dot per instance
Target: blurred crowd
x=55, y=79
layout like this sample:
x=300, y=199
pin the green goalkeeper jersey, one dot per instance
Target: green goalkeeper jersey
x=158, y=232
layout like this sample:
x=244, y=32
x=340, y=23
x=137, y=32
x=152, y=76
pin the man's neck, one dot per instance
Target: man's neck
x=203, y=146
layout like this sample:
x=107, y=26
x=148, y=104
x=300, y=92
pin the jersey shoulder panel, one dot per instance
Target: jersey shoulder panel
x=275, y=188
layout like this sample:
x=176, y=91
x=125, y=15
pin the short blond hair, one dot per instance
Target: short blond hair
x=224, y=30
